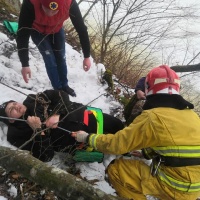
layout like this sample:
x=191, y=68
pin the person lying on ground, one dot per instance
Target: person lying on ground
x=168, y=132
x=38, y=125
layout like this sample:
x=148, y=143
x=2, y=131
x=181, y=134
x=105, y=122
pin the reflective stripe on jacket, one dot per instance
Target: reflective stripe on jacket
x=178, y=185
x=179, y=151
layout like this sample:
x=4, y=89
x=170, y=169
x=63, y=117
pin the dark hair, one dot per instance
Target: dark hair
x=3, y=111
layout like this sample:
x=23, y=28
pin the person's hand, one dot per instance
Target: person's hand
x=86, y=64
x=34, y=122
x=52, y=122
x=80, y=136
x=141, y=95
x=26, y=73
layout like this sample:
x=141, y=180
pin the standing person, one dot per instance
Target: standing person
x=43, y=21
x=168, y=132
x=38, y=130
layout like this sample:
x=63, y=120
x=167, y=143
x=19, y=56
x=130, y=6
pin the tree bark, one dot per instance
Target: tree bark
x=186, y=68
x=62, y=183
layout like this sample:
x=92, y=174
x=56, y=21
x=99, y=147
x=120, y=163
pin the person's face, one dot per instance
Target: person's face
x=49, y=12
x=15, y=110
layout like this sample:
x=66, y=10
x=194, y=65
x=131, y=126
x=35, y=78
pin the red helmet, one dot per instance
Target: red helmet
x=162, y=80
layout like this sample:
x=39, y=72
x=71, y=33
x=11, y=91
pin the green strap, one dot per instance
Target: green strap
x=99, y=118
x=11, y=26
x=88, y=156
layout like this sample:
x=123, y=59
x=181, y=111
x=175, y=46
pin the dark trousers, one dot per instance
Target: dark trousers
x=52, y=48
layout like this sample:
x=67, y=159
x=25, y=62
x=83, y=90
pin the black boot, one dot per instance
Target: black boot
x=69, y=91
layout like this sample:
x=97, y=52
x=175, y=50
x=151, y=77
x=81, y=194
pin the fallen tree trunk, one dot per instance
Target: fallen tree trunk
x=62, y=183
x=186, y=68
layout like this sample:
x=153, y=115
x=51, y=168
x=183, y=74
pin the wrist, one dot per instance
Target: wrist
x=88, y=138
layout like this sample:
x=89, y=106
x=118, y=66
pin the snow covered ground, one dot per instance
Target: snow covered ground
x=87, y=85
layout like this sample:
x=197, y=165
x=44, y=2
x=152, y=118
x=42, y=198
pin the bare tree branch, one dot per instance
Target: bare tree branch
x=186, y=68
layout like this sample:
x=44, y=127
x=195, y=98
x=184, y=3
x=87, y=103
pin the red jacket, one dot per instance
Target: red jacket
x=49, y=25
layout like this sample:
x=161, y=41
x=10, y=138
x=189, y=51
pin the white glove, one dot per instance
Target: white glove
x=81, y=136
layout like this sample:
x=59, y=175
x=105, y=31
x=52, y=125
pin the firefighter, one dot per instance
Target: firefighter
x=168, y=131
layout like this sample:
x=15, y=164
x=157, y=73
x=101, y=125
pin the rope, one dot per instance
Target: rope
x=12, y=88
x=23, y=120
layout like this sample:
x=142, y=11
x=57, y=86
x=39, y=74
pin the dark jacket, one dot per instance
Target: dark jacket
x=71, y=118
x=140, y=85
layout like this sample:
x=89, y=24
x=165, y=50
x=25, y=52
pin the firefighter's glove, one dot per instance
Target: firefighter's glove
x=81, y=136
